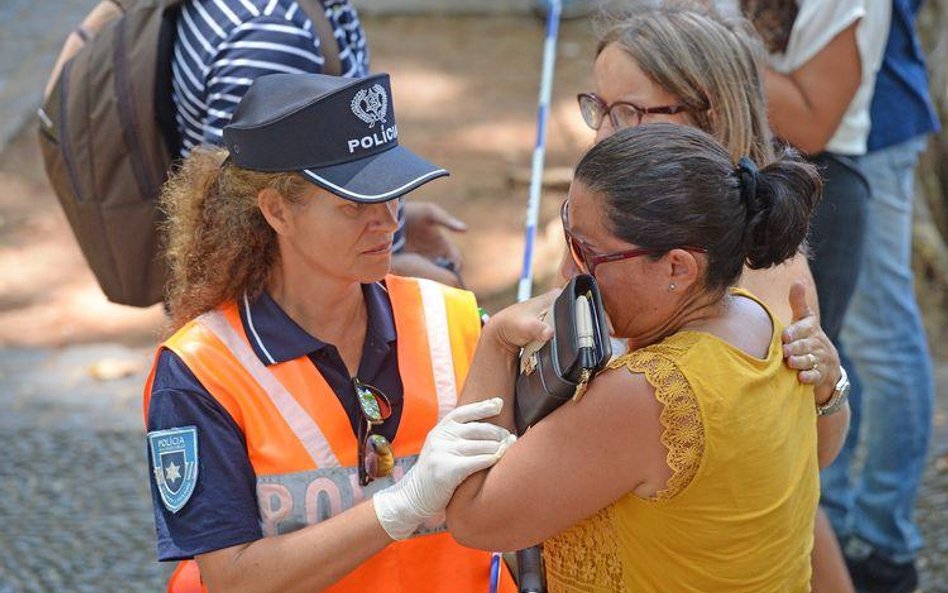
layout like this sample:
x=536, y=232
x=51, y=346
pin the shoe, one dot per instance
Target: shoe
x=877, y=574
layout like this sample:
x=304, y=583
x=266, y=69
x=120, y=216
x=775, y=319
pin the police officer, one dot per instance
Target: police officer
x=302, y=433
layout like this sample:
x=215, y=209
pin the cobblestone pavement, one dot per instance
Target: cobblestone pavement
x=74, y=498
x=75, y=513
x=29, y=44
x=933, y=503
x=933, y=515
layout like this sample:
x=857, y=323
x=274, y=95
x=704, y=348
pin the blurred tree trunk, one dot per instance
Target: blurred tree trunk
x=931, y=220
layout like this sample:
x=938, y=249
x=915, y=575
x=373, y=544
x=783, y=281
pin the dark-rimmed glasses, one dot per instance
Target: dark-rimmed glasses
x=587, y=261
x=376, y=459
x=622, y=114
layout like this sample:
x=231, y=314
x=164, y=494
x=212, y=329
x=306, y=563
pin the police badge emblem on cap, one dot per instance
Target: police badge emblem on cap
x=339, y=133
x=370, y=105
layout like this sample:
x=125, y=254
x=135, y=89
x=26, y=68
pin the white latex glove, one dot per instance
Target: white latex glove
x=454, y=449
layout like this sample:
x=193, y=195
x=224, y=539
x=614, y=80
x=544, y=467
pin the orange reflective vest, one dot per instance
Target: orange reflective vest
x=300, y=442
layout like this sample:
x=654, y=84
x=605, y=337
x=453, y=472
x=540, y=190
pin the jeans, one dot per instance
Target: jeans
x=836, y=237
x=892, y=398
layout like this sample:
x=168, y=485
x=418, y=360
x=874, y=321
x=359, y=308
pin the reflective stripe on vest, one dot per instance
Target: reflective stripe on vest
x=439, y=344
x=300, y=441
x=300, y=423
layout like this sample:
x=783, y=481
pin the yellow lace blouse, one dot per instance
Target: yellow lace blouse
x=737, y=514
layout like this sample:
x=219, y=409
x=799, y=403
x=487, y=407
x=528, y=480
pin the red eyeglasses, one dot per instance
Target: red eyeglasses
x=587, y=261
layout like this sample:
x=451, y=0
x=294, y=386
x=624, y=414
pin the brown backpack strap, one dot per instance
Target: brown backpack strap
x=101, y=15
x=327, y=39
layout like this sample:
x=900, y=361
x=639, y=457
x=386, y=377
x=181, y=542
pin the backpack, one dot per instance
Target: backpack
x=109, y=138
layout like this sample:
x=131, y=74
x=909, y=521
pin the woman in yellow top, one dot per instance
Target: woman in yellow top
x=692, y=463
x=683, y=66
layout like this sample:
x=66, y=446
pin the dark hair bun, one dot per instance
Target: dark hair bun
x=665, y=186
x=778, y=212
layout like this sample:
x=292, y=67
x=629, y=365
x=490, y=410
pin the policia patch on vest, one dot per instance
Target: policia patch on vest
x=174, y=462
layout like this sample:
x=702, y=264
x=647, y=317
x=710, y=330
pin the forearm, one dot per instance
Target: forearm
x=831, y=433
x=488, y=509
x=493, y=373
x=806, y=106
x=793, y=116
x=829, y=565
x=303, y=561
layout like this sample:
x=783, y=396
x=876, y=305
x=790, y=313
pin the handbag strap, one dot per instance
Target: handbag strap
x=327, y=38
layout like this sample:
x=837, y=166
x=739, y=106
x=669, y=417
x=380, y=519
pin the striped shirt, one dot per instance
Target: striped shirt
x=222, y=46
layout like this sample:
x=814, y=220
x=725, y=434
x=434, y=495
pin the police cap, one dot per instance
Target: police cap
x=339, y=133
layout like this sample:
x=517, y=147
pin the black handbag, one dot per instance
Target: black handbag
x=560, y=369
x=556, y=371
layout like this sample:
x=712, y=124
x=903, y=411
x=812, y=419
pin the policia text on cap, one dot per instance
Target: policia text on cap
x=302, y=380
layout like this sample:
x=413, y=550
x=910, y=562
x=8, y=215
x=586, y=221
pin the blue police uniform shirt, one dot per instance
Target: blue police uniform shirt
x=223, y=510
x=901, y=106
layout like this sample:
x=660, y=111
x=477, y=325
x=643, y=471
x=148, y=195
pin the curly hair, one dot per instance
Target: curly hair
x=218, y=243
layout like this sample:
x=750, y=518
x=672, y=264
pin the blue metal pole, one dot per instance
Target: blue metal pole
x=525, y=287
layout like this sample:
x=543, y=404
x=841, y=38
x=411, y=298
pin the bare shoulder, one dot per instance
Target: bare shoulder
x=622, y=390
x=621, y=409
x=615, y=409
x=745, y=325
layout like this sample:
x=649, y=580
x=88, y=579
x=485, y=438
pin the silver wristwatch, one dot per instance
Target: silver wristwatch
x=839, y=397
